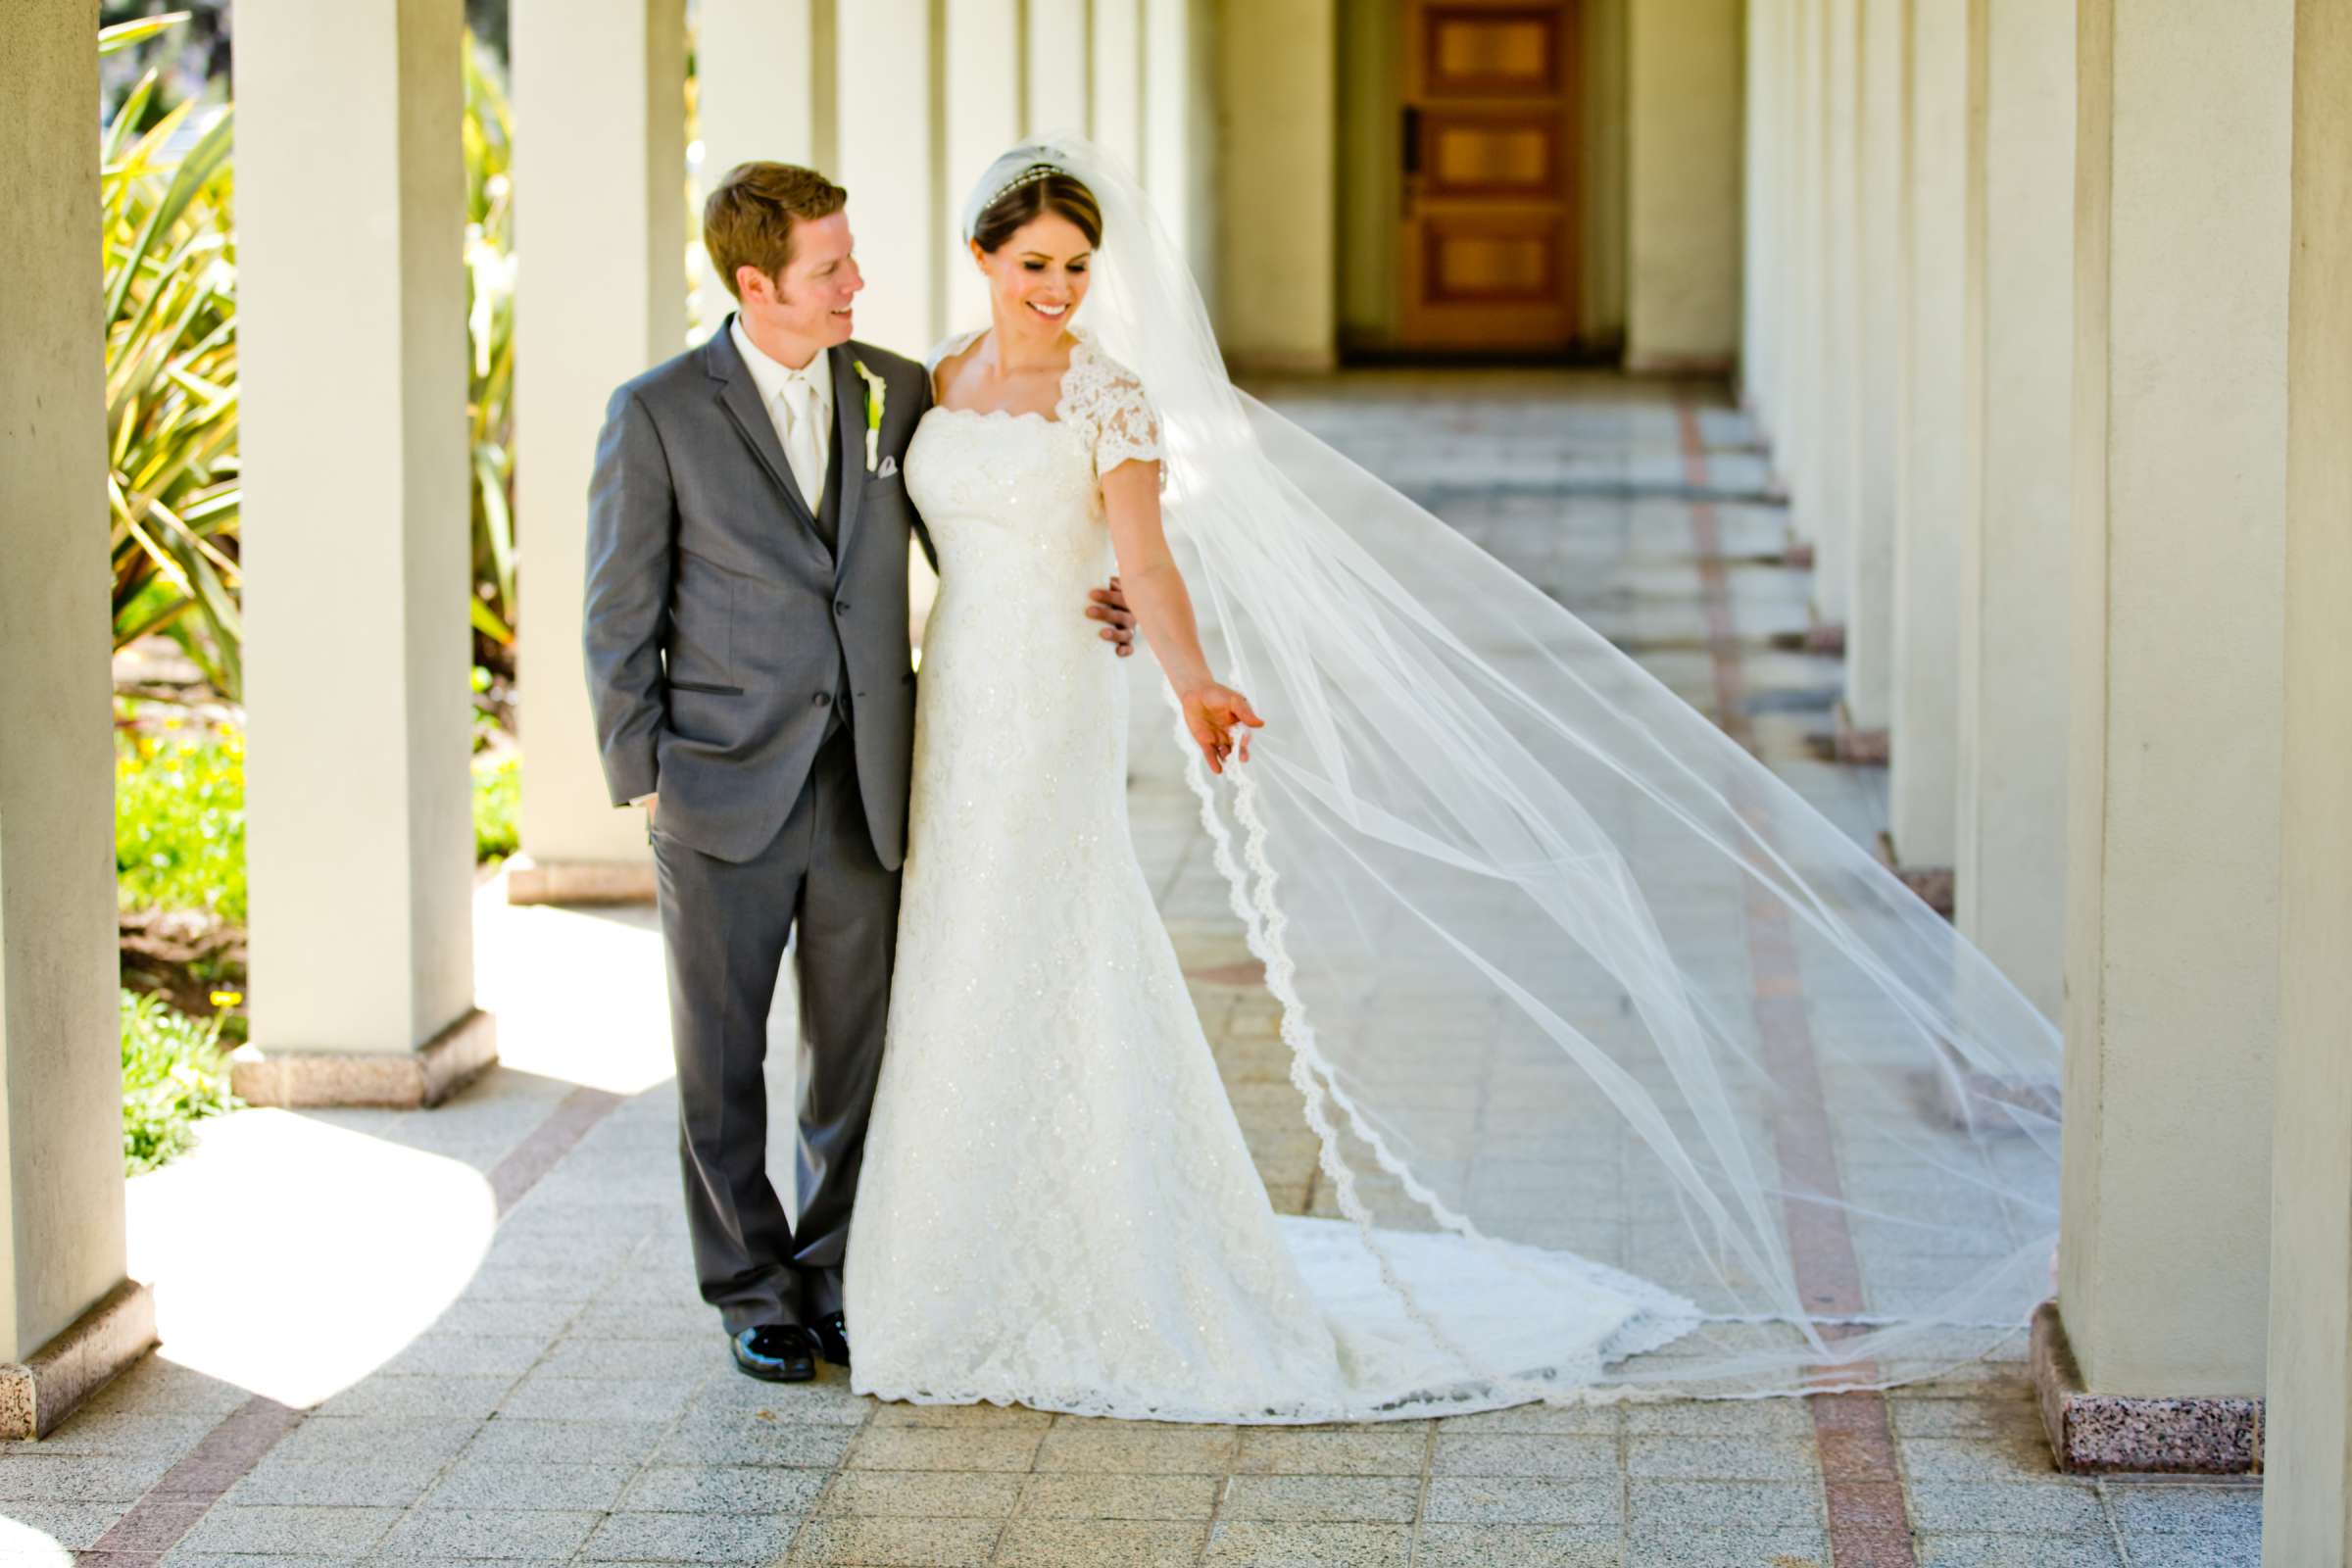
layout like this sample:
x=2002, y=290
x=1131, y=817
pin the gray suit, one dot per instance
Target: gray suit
x=748, y=659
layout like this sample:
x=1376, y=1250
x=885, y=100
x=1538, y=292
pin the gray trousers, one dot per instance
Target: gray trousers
x=726, y=926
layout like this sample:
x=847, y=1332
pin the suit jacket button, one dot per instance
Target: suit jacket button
x=824, y=699
x=842, y=604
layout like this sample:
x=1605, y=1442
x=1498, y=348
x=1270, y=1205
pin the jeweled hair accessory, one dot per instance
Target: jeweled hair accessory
x=1024, y=164
x=1029, y=176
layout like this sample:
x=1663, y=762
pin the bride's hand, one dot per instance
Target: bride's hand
x=1219, y=718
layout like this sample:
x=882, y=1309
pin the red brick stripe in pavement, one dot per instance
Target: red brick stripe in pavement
x=229, y=1452
x=1869, y=1524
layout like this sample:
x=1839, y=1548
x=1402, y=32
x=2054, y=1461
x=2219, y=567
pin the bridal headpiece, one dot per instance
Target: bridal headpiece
x=1024, y=164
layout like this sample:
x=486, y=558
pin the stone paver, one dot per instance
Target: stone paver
x=564, y=1394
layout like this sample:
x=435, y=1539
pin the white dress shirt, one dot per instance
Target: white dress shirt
x=770, y=376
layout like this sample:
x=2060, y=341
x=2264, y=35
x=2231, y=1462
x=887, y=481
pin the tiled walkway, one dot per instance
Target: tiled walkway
x=472, y=1334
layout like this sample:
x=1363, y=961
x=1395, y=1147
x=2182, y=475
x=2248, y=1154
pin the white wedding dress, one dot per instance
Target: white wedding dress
x=1056, y=1208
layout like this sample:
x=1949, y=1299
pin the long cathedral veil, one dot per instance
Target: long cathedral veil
x=1559, y=963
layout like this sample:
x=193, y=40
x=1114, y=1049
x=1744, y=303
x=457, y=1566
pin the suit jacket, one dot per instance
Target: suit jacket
x=719, y=629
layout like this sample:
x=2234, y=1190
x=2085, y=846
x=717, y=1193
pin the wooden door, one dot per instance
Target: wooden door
x=1489, y=229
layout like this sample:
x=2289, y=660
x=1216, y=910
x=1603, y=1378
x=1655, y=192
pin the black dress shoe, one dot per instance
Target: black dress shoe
x=833, y=1337
x=778, y=1352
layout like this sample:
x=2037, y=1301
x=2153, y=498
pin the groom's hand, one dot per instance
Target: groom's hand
x=1110, y=605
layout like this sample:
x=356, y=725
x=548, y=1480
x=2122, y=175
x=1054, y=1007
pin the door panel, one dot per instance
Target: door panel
x=1487, y=233
x=1492, y=262
x=1475, y=49
x=1467, y=157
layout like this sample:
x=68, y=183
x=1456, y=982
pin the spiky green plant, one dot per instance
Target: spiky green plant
x=171, y=371
x=170, y=271
x=490, y=324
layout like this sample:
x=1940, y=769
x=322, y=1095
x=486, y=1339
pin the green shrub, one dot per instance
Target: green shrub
x=179, y=817
x=174, y=1076
x=497, y=806
x=180, y=811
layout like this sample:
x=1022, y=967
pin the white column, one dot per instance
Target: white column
x=983, y=111
x=2010, y=856
x=1117, y=62
x=1683, y=79
x=1278, y=302
x=1802, y=335
x=765, y=84
x=765, y=94
x=600, y=230
x=1760, y=196
x=886, y=161
x=1061, y=66
x=357, y=554
x=1838, y=315
x=1934, y=476
x=2307, y=1484
x=1878, y=204
x=2174, y=851
x=61, y=1085
x=1176, y=121
x=1801, y=272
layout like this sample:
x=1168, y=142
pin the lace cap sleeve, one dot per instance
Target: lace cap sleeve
x=1107, y=401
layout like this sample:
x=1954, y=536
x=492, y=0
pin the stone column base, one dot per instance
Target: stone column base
x=1933, y=882
x=1297, y=362
x=405, y=1080
x=36, y=1393
x=1650, y=362
x=1826, y=637
x=579, y=881
x=1962, y=1097
x=1866, y=748
x=2135, y=1433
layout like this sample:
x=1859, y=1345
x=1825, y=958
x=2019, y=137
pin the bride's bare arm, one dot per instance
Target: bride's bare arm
x=1216, y=715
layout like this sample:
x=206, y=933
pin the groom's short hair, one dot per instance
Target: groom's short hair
x=747, y=218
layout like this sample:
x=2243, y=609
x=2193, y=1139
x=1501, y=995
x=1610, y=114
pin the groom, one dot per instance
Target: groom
x=747, y=655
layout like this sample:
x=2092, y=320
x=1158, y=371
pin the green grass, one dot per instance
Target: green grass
x=174, y=1076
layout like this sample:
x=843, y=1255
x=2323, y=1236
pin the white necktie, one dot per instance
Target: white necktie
x=799, y=439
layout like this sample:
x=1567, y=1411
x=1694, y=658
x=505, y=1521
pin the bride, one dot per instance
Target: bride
x=1628, y=1072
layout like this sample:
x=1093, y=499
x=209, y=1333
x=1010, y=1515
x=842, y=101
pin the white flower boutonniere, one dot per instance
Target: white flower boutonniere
x=875, y=393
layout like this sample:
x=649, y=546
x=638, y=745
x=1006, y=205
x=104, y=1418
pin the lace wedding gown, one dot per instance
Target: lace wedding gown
x=1056, y=1208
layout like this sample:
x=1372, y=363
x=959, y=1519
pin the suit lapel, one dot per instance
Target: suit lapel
x=739, y=395
x=849, y=440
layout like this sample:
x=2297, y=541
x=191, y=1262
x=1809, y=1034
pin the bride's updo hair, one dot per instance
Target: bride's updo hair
x=1056, y=192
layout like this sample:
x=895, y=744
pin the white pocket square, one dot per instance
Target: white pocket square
x=890, y=466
